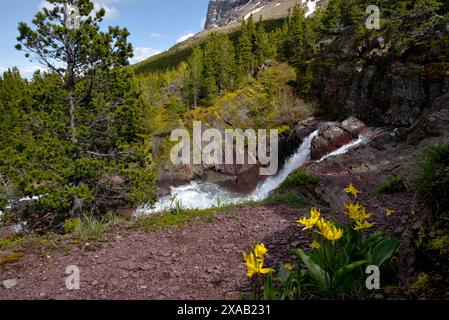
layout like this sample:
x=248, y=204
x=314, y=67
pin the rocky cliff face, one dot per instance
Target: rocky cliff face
x=381, y=84
x=222, y=13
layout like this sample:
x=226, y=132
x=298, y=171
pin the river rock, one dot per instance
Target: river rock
x=297, y=136
x=7, y=232
x=354, y=125
x=10, y=283
x=245, y=182
x=329, y=139
x=126, y=212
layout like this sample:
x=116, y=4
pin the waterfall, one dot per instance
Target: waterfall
x=203, y=195
x=296, y=161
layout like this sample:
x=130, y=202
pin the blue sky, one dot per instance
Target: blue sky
x=155, y=25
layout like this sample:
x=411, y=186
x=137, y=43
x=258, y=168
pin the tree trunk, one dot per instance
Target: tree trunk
x=73, y=133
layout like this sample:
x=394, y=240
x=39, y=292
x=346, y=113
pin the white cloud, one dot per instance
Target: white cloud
x=185, y=37
x=141, y=54
x=111, y=12
x=45, y=4
x=28, y=72
x=203, y=23
x=156, y=35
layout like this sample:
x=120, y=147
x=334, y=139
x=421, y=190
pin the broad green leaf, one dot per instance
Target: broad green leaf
x=384, y=251
x=342, y=273
x=320, y=276
x=269, y=291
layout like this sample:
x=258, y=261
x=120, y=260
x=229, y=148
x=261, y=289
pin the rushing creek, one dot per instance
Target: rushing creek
x=203, y=195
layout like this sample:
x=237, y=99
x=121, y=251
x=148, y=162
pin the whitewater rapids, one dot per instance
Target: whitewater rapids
x=204, y=195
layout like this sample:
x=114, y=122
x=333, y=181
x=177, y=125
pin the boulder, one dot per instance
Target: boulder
x=245, y=182
x=433, y=123
x=354, y=125
x=329, y=139
x=126, y=212
x=112, y=180
x=303, y=129
x=7, y=232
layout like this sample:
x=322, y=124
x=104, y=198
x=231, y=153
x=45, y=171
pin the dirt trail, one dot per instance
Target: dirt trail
x=199, y=261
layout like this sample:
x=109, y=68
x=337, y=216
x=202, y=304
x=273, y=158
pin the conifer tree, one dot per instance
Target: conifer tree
x=74, y=52
x=245, y=51
x=85, y=118
x=296, y=31
x=263, y=49
x=225, y=62
x=195, y=74
x=209, y=72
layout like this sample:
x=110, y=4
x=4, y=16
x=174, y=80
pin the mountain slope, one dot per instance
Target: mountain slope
x=223, y=13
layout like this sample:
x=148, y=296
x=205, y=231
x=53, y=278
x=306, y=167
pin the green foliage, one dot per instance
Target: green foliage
x=432, y=176
x=71, y=128
x=291, y=198
x=422, y=284
x=393, y=185
x=71, y=224
x=298, y=179
x=89, y=228
x=440, y=244
x=175, y=217
x=13, y=242
x=334, y=267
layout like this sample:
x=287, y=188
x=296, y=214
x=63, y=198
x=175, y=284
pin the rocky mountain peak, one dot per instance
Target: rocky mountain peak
x=222, y=13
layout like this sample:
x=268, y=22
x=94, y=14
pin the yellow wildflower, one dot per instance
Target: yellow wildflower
x=389, y=212
x=363, y=215
x=353, y=210
x=254, y=264
x=260, y=251
x=315, y=215
x=357, y=212
x=315, y=245
x=329, y=230
x=360, y=225
x=352, y=190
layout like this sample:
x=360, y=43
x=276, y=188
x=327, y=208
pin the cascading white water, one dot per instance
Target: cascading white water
x=203, y=195
x=297, y=160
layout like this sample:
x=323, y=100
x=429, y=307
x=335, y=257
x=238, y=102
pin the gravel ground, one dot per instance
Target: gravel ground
x=202, y=260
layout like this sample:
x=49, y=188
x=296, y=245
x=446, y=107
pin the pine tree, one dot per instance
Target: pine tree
x=296, y=31
x=331, y=15
x=209, y=85
x=195, y=74
x=74, y=53
x=263, y=49
x=285, y=48
x=85, y=118
x=245, y=50
x=225, y=62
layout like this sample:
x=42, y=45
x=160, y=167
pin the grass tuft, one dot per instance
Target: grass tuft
x=393, y=185
x=290, y=198
x=299, y=178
